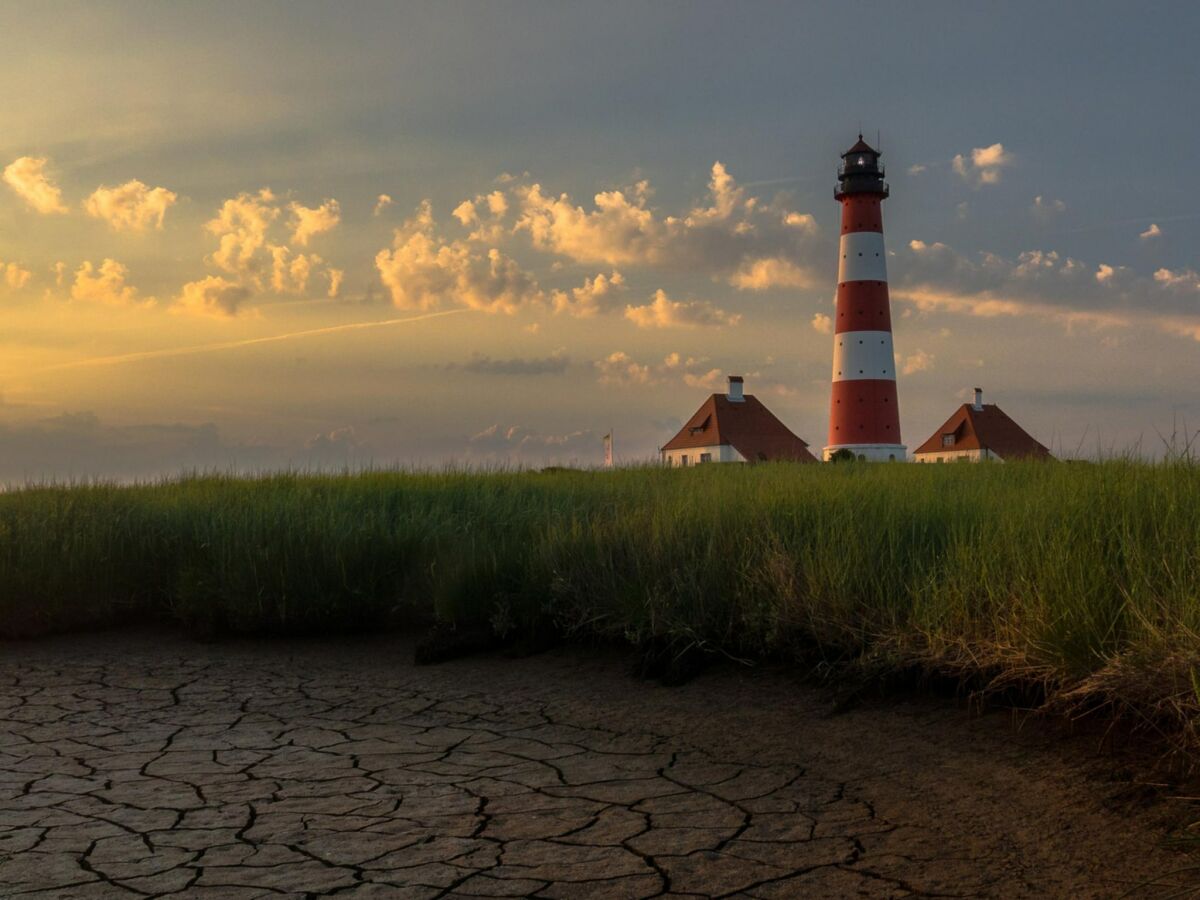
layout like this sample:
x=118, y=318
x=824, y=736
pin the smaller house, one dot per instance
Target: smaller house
x=734, y=427
x=979, y=432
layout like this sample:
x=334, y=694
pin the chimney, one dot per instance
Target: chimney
x=735, y=389
x=978, y=407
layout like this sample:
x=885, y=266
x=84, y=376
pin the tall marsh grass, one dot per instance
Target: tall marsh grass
x=1083, y=577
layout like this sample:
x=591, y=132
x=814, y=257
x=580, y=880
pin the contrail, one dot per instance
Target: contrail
x=233, y=345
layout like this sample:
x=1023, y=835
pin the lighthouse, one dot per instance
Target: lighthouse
x=864, y=417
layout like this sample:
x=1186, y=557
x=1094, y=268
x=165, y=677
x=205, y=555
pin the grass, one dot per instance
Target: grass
x=1081, y=578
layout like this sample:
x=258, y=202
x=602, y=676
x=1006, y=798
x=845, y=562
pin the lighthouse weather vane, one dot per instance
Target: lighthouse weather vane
x=864, y=416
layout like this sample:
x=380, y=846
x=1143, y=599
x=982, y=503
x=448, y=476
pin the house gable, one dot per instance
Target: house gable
x=746, y=425
x=988, y=431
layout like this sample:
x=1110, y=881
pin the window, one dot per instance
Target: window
x=947, y=440
x=705, y=457
x=683, y=460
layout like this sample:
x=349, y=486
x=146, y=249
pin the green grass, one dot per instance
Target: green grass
x=1082, y=577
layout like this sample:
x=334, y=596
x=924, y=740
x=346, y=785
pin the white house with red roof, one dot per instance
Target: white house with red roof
x=978, y=432
x=734, y=427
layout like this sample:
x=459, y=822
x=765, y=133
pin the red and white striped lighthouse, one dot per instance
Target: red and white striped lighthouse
x=864, y=417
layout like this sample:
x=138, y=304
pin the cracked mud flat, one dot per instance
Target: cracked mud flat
x=135, y=765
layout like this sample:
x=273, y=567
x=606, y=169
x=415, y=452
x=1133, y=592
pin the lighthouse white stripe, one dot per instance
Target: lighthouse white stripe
x=859, y=355
x=862, y=257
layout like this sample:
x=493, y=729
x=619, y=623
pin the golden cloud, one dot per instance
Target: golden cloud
x=212, y=296
x=663, y=312
x=106, y=284
x=424, y=270
x=307, y=222
x=131, y=206
x=27, y=176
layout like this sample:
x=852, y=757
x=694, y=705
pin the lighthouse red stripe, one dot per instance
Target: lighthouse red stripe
x=863, y=306
x=864, y=412
x=861, y=212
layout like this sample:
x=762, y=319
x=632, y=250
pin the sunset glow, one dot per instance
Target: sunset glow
x=301, y=234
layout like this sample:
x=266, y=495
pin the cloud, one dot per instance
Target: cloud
x=731, y=236
x=424, y=270
x=708, y=381
x=290, y=274
x=918, y=362
x=335, y=277
x=60, y=273
x=822, y=324
x=241, y=229
x=80, y=445
x=1150, y=233
x=916, y=169
x=663, y=312
x=1184, y=279
x=14, y=276
x=989, y=285
x=131, y=206
x=307, y=222
x=491, y=228
x=767, y=273
x=601, y=294
x=1045, y=208
x=1114, y=276
x=28, y=178
x=247, y=251
x=984, y=166
x=479, y=364
x=212, y=296
x=619, y=368
x=801, y=222
x=105, y=284
x=338, y=447
x=621, y=230
x=382, y=203
x=1045, y=285
x=523, y=444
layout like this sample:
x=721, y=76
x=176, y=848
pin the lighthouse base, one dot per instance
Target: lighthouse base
x=869, y=452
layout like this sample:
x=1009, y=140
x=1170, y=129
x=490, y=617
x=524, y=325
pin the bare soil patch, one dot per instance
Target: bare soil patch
x=135, y=765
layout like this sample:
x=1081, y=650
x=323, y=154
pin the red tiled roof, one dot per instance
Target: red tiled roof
x=748, y=426
x=987, y=429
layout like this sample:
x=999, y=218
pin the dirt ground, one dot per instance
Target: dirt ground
x=151, y=765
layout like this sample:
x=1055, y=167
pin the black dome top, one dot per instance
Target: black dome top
x=861, y=147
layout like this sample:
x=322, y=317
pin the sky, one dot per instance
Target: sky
x=317, y=235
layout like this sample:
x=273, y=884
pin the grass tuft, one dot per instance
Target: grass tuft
x=1082, y=579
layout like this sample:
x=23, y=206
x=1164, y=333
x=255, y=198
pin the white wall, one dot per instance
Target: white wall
x=720, y=453
x=949, y=454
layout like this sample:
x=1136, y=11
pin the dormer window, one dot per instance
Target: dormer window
x=948, y=440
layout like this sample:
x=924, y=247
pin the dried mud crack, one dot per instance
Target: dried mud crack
x=136, y=766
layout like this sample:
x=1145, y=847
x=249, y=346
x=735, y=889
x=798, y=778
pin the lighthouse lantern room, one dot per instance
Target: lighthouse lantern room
x=864, y=417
